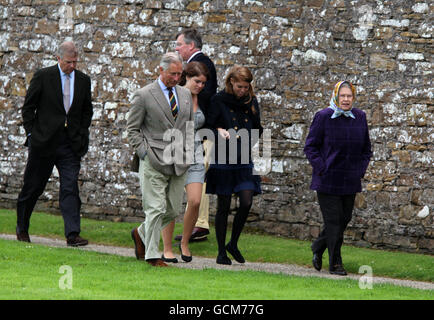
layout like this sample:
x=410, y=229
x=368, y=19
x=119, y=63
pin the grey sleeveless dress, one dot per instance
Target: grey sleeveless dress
x=196, y=172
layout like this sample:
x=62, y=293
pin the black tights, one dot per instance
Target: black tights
x=221, y=218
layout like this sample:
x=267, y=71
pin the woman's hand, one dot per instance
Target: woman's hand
x=223, y=133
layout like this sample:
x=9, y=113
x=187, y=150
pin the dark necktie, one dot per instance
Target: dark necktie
x=173, y=105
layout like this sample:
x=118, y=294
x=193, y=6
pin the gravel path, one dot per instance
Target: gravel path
x=203, y=263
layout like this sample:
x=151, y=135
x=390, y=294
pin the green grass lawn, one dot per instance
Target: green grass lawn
x=32, y=271
x=260, y=248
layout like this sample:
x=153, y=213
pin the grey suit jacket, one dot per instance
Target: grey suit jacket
x=150, y=123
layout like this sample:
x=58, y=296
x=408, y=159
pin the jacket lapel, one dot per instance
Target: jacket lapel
x=77, y=83
x=162, y=102
x=56, y=82
x=181, y=105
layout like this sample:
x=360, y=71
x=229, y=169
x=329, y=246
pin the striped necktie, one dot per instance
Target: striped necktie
x=173, y=105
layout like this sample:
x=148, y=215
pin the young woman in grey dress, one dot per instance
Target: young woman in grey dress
x=195, y=75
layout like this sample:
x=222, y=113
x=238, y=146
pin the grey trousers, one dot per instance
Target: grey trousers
x=161, y=200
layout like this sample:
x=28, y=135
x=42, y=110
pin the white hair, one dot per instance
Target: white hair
x=169, y=58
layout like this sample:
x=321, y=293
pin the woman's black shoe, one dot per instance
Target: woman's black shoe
x=317, y=261
x=223, y=260
x=235, y=253
x=172, y=260
x=185, y=258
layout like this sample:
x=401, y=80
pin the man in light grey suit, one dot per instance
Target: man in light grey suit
x=158, y=110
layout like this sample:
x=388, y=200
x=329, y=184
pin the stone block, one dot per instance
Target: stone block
x=18, y=87
x=374, y=186
x=292, y=37
x=259, y=40
x=426, y=245
x=45, y=26
x=407, y=215
x=314, y=3
x=124, y=14
x=216, y=18
x=382, y=62
x=194, y=5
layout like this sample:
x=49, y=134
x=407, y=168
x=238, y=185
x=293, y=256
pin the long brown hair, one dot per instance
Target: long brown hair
x=240, y=73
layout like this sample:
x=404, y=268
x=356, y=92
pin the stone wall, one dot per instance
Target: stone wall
x=297, y=50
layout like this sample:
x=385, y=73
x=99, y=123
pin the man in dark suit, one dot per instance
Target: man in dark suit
x=189, y=46
x=57, y=113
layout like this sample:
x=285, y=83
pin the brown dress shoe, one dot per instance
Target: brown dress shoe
x=157, y=263
x=139, y=247
x=76, y=241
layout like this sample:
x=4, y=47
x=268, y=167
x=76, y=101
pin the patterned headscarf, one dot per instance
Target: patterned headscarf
x=334, y=101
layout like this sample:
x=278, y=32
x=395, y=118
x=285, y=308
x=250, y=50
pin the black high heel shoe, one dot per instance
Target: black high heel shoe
x=185, y=258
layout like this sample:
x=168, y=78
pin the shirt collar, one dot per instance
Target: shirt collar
x=194, y=54
x=163, y=86
x=63, y=74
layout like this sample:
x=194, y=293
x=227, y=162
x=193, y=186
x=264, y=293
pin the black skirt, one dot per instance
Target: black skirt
x=226, y=179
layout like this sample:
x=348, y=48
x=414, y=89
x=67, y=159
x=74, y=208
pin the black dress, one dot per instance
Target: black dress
x=228, y=112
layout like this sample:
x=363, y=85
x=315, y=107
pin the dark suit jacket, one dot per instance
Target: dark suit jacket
x=44, y=115
x=227, y=112
x=210, y=86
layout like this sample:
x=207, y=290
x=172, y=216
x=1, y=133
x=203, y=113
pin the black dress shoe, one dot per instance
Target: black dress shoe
x=223, y=260
x=76, y=241
x=185, y=258
x=338, y=269
x=22, y=236
x=235, y=253
x=317, y=261
x=172, y=260
x=198, y=234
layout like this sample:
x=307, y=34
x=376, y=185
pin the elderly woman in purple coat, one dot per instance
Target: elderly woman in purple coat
x=339, y=149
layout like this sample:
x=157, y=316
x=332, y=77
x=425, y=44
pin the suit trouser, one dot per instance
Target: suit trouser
x=337, y=212
x=162, y=197
x=38, y=170
x=202, y=220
